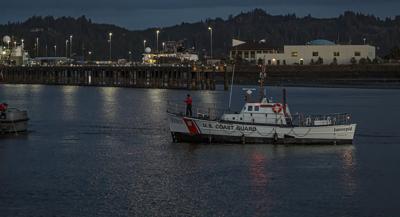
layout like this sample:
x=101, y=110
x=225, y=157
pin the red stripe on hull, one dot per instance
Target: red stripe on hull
x=192, y=127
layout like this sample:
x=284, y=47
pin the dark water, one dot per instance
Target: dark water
x=108, y=152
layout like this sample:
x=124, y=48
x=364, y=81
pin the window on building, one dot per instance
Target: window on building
x=257, y=108
x=295, y=54
x=357, y=53
x=284, y=62
x=233, y=53
x=258, y=51
x=269, y=62
x=239, y=53
x=250, y=108
x=278, y=62
x=246, y=54
x=315, y=54
x=252, y=54
x=336, y=54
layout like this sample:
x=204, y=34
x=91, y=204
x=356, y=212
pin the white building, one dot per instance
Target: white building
x=315, y=52
x=249, y=51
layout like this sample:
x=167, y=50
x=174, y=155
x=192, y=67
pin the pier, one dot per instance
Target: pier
x=140, y=76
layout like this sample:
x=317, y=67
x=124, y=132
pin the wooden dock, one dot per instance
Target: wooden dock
x=141, y=76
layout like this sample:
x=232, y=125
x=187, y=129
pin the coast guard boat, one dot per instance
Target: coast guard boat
x=262, y=121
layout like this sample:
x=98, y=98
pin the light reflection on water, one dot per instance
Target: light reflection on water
x=108, y=152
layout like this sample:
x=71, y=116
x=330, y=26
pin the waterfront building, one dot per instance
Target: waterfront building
x=249, y=51
x=314, y=52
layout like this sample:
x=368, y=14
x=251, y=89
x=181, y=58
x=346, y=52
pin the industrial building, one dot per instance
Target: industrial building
x=314, y=52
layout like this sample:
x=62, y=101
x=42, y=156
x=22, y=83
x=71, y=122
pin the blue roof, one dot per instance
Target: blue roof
x=320, y=42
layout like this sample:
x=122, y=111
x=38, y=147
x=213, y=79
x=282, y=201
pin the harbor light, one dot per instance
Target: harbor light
x=70, y=46
x=66, y=48
x=211, y=41
x=157, y=33
x=37, y=47
x=109, y=40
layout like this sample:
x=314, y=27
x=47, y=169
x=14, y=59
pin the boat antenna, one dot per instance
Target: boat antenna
x=230, y=94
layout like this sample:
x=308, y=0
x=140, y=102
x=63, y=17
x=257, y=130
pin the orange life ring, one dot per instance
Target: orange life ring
x=277, y=107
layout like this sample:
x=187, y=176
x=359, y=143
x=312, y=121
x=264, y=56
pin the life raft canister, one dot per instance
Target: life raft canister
x=277, y=107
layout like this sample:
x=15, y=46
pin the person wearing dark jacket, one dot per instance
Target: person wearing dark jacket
x=188, y=102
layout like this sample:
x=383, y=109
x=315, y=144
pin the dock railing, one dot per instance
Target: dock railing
x=304, y=120
x=207, y=111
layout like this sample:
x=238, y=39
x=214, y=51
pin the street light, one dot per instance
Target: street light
x=90, y=55
x=157, y=33
x=15, y=44
x=109, y=40
x=70, y=46
x=22, y=43
x=163, y=46
x=211, y=41
x=130, y=54
x=37, y=47
x=66, y=48
x=144, y=44
x=55, y=50
x=364, y=39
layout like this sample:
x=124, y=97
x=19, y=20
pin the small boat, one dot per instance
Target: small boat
x=13, y=120
x=263, y=121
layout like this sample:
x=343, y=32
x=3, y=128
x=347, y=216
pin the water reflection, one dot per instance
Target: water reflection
x=69, y=96
x=258, y=172
x=349, y=170
x=259, y=181
x=109, y=104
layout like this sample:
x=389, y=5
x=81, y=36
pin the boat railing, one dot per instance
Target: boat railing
x=208, y=111
x=320, y=120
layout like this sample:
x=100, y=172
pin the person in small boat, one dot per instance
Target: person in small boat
x=3, y=109
x=188, y=102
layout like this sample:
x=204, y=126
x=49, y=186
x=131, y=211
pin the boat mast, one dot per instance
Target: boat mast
x=230, y=94
x=263, y=75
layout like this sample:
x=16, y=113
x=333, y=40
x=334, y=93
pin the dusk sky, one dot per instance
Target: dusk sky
x=140, y=14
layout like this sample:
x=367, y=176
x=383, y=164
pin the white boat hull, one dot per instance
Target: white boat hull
x=13, y=121
x=185, y=129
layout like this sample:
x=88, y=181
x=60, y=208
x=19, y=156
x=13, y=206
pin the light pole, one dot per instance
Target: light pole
x=70, y=46
x=90, y=56
x=37, y=47
x=22, y=43
x=109, y=40
x=364, y=39
x=163, y=46
x=66, y=48
x=130, y=56
x=15, y=44
x=211, y=41
x=157, y=33
x=55, y=50
x=144, y=45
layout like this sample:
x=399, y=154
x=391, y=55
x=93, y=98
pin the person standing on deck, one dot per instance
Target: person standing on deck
x=3, y=109
x=188, y=102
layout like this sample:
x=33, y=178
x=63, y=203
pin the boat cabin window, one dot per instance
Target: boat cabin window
x=250, y=108
x=256, y=108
